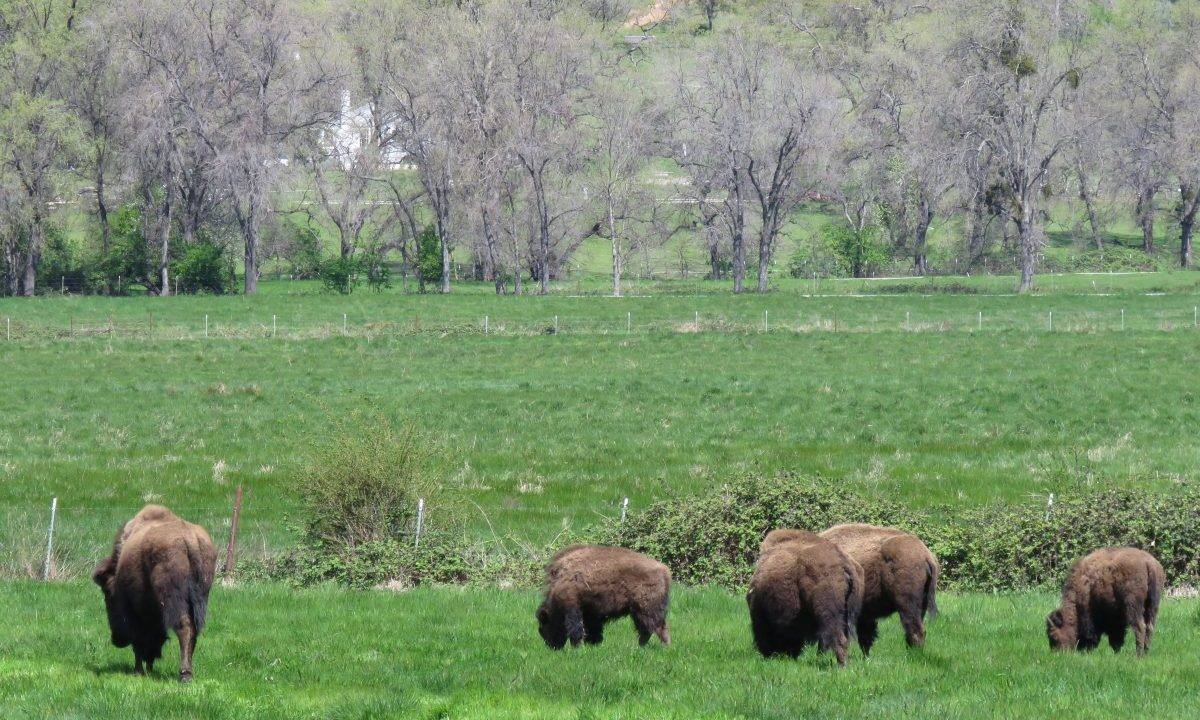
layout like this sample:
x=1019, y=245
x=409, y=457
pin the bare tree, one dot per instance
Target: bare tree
x=1021, y=67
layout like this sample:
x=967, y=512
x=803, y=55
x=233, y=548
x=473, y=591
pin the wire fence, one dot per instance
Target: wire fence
x=207, y=327
x=64, y=541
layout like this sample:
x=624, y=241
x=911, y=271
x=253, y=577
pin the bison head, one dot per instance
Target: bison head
x=551, y=627
x=1060, y=633
x=104, y=576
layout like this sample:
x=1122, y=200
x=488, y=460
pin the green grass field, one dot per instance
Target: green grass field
x=469, y=653
x=543, y=431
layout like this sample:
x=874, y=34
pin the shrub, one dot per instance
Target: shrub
x=201, y=268
x=714, y=538
x=859, y=252
x=429, y=255
x=339, y=274
x=362, y=485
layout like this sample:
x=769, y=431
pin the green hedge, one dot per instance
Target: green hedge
x=714, y=538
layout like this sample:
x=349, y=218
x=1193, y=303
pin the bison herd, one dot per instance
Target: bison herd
x=807, y=588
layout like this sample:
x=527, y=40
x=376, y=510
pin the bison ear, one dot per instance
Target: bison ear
x=103, y=571
x=1056, y=618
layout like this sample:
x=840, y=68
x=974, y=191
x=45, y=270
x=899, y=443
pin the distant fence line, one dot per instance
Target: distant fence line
x=274, y=327
x=31, y=539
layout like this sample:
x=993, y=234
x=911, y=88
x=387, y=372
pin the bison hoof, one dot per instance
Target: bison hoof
x=185, y=677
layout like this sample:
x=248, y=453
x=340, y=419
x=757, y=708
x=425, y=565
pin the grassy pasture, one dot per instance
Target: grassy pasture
x=468, y=653
x=544, y=431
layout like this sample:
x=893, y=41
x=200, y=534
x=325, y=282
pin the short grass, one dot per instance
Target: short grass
x=545, y=431
x=469, y=653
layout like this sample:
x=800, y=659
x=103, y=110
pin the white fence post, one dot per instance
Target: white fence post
x=624, y=509
x=628, y=322
x=485, y=324
x=272, y=326
x=206, y=326
x=345, y=327
x=1051, y=321
x=50, y=539
x=420, y=521
x=907, y=326
x=1049, y=505
x=766, y=326
x=980, y=326
x=1122, y=318
x=555, y=324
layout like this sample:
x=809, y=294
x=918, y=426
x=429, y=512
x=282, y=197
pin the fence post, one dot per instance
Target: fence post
x=206, y=325
x=555, y=324
x=1051, y=321
x=766, y=327
x=624, y=508
x=628, y=322
x=1049, y=505
x=980, y=320
x=8, y=328
x=272, y=326
x=344, y=326
x=231, y=548
x=50, y=539
x=1122, y=318
x=485, y=324
x=907, y=326
x=697, y=320
x=420, y=521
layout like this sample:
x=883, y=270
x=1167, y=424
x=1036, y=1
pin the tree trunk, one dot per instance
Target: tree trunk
x=1027, y=247
x=29, y=282
x=164, y=242
x=920, y=233
x=250, y=231
x=1090, y=207
x=1189, y=204
x=765, y=242
x=616, y=252
x=1145, y=216
x=102, y=217
x=442, y=240
x=492, y=266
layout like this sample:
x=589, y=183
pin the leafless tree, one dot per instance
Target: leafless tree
x=1021, y=67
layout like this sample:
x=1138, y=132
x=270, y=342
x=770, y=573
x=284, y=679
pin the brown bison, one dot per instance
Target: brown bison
x=157, y=579
x=804, y=590
x=899, y=576
x=588, y=585
x=1106, y=592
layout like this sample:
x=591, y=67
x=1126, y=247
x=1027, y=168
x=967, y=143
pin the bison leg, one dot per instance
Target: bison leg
x=914, y=626
x=836, y=641
x=868, y=630
x=1116, y=637
x=593, y=627
x=573, y=620
x=137, y=665
x=187, y=645
x=664, y=636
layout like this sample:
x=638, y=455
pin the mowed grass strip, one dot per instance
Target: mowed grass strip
x=542, y=432
x=271, y=652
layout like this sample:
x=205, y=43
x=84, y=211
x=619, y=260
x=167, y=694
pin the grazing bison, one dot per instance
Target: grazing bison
x=804, y=590
x=157, y=579
x=899, y=576
x=1106, y=592
x=588, y=585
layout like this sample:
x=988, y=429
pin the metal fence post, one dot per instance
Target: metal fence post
x=624, y=508
x=420, y=521
x=231, y=548
x=50, y=539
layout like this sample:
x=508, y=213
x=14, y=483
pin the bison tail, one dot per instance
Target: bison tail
x=200, y=579
x=1154, y=586
x=930, y=608
x=852, y=605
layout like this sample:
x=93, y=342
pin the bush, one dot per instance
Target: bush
x=714, y=538
x=429, y=255
x=339, y=274
x=201, y=268
x=362, y=485
x=859, y=253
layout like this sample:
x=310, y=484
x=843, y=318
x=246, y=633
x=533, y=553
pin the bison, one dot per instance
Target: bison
x=1106, y=592
x=804, y=590
x=157, y=579
x=899, y=576
x=588, y=585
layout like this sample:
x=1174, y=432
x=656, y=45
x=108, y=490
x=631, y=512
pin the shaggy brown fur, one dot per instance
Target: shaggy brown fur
x=804, y=590
x=588, y=585
x=157, y=579
x=899, y=575
x=1106, y=592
